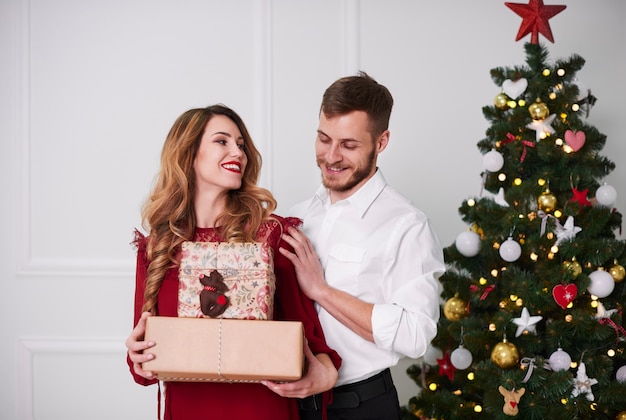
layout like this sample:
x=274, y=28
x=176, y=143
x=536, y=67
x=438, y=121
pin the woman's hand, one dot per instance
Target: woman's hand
x=320, y=375
x=136, y=347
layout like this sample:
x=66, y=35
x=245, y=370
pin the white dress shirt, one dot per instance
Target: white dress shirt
x=375, y=245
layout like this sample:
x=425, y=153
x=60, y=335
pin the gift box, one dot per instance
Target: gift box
x=225, y=350
x=236, y=280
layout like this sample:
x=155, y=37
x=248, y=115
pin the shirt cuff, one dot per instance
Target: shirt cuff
x=385, y=321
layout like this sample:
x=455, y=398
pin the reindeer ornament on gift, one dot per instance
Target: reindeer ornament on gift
x=213, y=301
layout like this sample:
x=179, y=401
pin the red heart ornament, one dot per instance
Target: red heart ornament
x=513, y=404
x=575, y=139
x=564, y=294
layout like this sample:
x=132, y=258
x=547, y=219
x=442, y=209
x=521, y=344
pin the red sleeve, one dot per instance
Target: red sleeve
x=292, y=304
x=140, y=283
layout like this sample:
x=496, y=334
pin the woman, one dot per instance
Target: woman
x=206, y=191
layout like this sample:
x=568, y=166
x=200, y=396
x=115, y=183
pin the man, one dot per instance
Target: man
x=365, y=255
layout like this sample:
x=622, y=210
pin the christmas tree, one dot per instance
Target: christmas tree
x=532, y=324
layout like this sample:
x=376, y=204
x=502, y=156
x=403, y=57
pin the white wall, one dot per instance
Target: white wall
x=89, y=89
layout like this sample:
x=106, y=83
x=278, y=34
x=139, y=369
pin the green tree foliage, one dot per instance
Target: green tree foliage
x=548, y=181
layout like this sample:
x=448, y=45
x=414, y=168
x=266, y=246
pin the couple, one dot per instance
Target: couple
x=362, y=272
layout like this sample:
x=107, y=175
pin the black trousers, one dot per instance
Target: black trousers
x=374, y=398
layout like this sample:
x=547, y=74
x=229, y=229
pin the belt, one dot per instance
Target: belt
x=351, y=395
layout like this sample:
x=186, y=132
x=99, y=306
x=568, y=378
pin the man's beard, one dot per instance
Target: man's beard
x=357, y=177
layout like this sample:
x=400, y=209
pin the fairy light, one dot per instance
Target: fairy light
x=501, y=177
x=519, y=302
x=546, y=72
x=554, y=249
x=558, y=141
x=534, y=256
x=471, y=376
x=568, y=318
x=563, y=401
x=513, y=298
x=512, y=104
x=560, y=72
x=611, y=353
x=471, y=202
x=478, y=408
x=552, y=95
x=432, y=386
x=482, y=281
x=593, y=304
x=541, y=182
x=575, y=107
x=492, y=327
x=521, y=102
x=494, y=273
x=517, y=181
x=557, y=214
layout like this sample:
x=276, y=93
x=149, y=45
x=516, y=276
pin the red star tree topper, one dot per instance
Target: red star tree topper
x=535, y=16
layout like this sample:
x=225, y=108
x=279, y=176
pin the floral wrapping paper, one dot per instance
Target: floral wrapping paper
x=247, y=269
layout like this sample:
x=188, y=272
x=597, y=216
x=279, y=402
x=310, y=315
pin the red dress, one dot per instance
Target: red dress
x=210, y=400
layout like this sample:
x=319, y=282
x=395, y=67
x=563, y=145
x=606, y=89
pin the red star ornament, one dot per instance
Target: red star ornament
x=581, y=197
x=535, y=16
x=446, y=367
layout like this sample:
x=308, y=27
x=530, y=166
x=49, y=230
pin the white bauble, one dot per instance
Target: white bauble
x=560, y=360
x=493, y=161
x=606, y=195
x=431, y=355
x=510, y=250
x=461, y=358
x=620, y=375
x=602, y=283
x=468, y=243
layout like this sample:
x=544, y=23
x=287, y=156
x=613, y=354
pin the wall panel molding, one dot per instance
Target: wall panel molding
x=28, y=349
x=352, y=27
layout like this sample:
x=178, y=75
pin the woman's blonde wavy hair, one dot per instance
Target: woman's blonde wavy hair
x=168, y=214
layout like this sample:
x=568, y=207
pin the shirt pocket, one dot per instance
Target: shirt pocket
x=344, y=266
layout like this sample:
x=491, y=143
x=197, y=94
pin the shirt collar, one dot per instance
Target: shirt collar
x=362, y=198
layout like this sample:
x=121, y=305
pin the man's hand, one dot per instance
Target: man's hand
x=309, y=271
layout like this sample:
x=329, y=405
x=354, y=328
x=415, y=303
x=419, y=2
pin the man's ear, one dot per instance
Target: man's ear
x=382, y=141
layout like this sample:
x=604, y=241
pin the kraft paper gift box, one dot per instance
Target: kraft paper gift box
x=247, y=270
x=225, y=350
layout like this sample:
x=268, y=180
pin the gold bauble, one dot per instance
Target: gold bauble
x=617, y=272
x=621, y=415
x=477, y=229
x=505, y=355
x=539, y=110
x=546, y=201
x=455, y=308
x=501, y=101
x=574, y=267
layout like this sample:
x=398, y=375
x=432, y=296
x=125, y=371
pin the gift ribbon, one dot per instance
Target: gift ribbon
x=618, y=328
x=544, y=220
x=486, y=292
x=526, y=143
x=528, y=363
